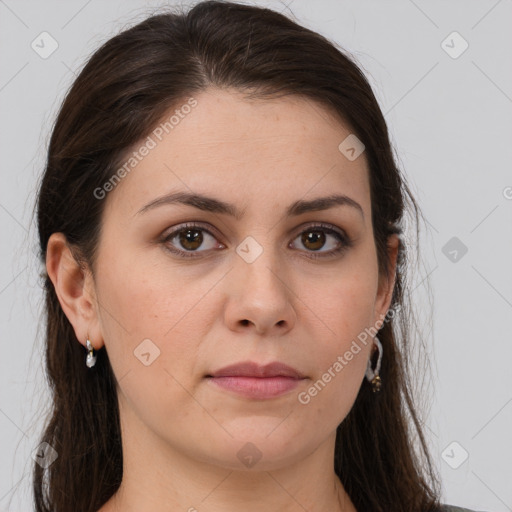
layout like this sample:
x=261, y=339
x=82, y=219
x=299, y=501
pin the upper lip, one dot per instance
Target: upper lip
x=252, y=369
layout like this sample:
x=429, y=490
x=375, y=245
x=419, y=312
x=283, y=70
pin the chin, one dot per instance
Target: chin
x=255, y=445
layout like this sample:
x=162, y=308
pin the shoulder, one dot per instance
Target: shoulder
x=453, y=508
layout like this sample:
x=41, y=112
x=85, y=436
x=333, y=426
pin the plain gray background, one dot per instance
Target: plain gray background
x=450, y=117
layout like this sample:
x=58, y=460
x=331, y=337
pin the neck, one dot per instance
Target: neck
x=234, y=491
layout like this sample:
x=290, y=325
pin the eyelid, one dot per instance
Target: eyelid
x=191, y=225
x=323, y=225
x=213, y=231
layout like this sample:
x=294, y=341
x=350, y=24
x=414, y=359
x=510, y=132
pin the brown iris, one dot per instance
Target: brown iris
x=191, y=238
x=316, y=238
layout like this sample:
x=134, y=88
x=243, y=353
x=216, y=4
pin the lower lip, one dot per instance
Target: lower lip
x=257, y=387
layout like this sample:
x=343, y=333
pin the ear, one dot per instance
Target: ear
x=387, y=283
x=75, y=290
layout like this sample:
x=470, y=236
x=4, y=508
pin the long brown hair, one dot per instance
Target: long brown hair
x=118, y=98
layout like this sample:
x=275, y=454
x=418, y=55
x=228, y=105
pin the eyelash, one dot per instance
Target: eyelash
x=344, y=240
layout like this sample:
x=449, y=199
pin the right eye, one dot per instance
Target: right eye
x=190, y=237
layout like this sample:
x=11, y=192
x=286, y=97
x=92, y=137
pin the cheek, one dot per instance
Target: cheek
x=150, y=309
x=149, y=323
x=343, y=303
x=340, y=360
x=326, y=402
x=343, y=311
x=144, y=298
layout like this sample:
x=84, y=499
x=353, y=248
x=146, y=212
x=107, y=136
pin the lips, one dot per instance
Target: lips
x=252, y=369
x=256, y=382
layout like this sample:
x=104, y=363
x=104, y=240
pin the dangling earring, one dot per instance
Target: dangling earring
x=90, y=360
x=373, y=375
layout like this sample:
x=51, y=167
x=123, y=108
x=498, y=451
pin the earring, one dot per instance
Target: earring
x=90, y=360
x=373, y=375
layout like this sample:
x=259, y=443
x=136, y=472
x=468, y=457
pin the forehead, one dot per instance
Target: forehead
x=257, y=152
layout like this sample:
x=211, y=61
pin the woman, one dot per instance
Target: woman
x=220, y=223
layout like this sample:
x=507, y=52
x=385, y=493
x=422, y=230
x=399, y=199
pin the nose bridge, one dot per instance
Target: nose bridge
x=259, y=264
x=260, y=293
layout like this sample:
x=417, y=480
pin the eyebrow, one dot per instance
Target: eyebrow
x=210, y=204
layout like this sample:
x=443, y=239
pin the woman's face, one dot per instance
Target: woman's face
x=265, y=285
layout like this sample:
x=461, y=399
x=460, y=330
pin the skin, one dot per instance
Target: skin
x=181, y=434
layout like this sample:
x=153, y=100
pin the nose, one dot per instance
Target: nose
x=260, y=296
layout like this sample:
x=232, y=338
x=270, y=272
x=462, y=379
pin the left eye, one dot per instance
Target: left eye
x=315, y=238
x=192, y=237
